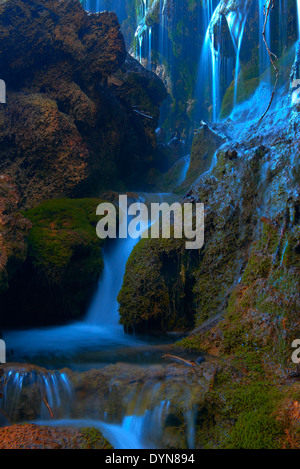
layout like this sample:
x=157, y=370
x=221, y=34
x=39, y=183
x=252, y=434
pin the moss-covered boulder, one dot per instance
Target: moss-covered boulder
x=156, y=292
x=62, y=266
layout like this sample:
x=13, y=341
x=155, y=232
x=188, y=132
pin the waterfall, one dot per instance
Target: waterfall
x=209, y=64
x=146, y=425
x=150, y=48
x=141, y=29
x=104, y=307
x=212, y=61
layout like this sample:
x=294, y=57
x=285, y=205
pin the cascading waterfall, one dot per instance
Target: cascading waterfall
x=216, y=69
x=29, y=392
x=149, y=415
x=104, y=308
x=212, y=62
x=208, y=69
x=101, y=326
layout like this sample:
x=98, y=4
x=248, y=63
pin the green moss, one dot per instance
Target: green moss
x=155, y=291
x=63, y=263
x=93, y=439
x=62, y=229
x=256, y=426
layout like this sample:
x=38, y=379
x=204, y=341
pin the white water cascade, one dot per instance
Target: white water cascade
x=39, y=388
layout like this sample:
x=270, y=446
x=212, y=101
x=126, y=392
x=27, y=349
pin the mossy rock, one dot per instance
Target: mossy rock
x=61, y=230
x=63, y=263
x=156, y=292
x=93, y=439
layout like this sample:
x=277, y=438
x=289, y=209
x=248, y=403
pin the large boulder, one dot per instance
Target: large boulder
x=65, y=130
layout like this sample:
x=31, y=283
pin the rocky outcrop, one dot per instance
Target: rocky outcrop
x=65, y=130
x=248, y=270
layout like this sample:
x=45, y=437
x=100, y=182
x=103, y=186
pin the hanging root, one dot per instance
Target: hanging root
x=271, y=4
x=48, y=407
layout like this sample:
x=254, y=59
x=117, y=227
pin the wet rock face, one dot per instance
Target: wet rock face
x=206, y=141
x=64, y=128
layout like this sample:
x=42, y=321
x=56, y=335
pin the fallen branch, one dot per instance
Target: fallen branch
x=142, y=114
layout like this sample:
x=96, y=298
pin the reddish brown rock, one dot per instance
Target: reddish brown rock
x=65, y=131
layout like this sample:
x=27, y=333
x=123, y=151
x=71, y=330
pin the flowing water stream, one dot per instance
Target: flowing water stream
x=93, y=343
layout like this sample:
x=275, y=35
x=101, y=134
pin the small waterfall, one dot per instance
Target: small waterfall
x=117, y=6
x=28, y=393
x=214, y=64
x=104, y=307
x=101, y=325
x=150, y=48
x=151, y=418
x=141, y=30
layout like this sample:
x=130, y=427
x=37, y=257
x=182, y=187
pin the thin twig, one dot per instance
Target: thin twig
x=180, y=360
x=271, y=4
